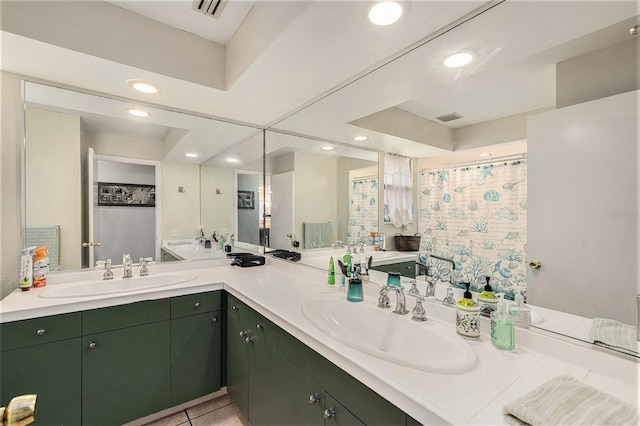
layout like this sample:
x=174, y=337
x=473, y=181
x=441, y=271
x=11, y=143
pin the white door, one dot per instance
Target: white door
x=583, y=208
x=281, y=211
x=92, y=208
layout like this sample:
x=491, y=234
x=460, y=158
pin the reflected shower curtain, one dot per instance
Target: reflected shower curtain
x=363, y=209
x=477, y=216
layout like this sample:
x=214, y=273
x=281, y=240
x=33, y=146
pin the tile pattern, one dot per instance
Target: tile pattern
x=220, y=411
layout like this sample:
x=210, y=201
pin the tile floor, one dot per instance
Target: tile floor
x=220, y=411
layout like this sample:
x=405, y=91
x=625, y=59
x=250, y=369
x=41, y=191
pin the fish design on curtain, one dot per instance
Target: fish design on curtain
x=477, y=216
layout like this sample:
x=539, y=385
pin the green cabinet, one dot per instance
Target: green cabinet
x=116, y=364
x=276, y=380
x=42, y=356
x=237, y=359
x=125, y=363
x=406, y=269
x=195, y=346
x=301, y=399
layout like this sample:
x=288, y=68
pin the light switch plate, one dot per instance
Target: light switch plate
x=175, y=232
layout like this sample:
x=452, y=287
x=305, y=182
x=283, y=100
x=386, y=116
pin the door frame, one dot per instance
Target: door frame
x=158, y=184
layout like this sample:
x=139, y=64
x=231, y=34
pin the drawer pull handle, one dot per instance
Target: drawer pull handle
x=243, y=333
x=329, y=413
x=314, y=399
x=234, y=307
x=248, y=339
x=214, y=319
x=92, y=345
x=259, y=326
x=41, y=331
x=196, y=305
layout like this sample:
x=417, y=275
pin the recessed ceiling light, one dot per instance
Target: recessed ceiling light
x=232, y=160
x=385, y=13
x=143, y=86
x=484, y=154
x=327, y=148
x=137, y=112
x=458, y=60
x=192, y=155
x=360, y=138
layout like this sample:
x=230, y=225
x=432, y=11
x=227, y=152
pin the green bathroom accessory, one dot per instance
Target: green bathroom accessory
x=467, y=315
x=331, y=280
x=355, y=293
x=393, y=279
x=502, y=329
x=487, y=300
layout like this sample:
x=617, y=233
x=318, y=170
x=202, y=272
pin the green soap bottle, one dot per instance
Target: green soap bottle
x=502, y=329
x=332, y=272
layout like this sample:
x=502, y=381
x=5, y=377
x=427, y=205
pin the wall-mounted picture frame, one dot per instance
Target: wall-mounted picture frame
x=126, y=194
x=246, y=200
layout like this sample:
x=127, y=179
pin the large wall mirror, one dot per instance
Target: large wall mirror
x=101, y=182
x=556, y=106
x=320, y=192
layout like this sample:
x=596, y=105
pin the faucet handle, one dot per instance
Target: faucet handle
x=144, y=269
x=414, y=287
x=419, y=313
x=108, y=273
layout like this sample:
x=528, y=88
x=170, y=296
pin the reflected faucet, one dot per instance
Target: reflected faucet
x=431, y=284
x=127, y=266
x=383, y=300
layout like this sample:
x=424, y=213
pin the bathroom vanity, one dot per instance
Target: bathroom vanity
x=119, y=356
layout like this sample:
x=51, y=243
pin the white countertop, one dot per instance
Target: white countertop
x=191, y=250
x=278, y=290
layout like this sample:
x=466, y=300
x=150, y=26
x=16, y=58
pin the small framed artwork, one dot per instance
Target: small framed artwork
x=246, y=200
x=126, y=194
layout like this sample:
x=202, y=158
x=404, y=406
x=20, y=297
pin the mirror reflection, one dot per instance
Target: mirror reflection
x=320, y=194
x=550, y=95
x=101, y=182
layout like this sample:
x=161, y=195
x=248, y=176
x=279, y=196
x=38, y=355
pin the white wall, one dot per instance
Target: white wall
x=315, y=192
x=217, y=209
x=121, y=145
x=54, y=179
x=180, y=211
x=10, y=204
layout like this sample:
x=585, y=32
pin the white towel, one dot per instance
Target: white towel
x=615, y=335
x=566, y=401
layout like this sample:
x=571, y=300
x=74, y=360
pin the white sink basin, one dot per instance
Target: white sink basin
x=430, y=346
x=117, y=285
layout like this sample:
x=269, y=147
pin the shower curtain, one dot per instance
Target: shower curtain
x=477, y=216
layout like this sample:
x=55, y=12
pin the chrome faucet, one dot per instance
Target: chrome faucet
x=108, y=273
x=431, y=284
x=144, y=269
x=127, y=266
x=383, y=300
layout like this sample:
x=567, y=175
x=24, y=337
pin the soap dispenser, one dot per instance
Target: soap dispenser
x=487, y=300
x=502, y=330
x=331, y=279
x=467, y=315
x=521, y=313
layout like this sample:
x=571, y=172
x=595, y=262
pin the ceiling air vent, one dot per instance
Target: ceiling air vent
x=209, y=7
x=449, y=117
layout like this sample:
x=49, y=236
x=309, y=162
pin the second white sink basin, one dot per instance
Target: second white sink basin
x=117, y=285
x=430, y=346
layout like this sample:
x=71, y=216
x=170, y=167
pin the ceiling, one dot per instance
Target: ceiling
x=316, y=68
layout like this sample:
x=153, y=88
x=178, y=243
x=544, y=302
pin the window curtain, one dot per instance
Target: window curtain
x=398, y=191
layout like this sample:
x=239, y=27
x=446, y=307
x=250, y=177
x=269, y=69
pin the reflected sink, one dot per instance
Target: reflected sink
x=430, y=346
x=381, y=254
x=117, y=285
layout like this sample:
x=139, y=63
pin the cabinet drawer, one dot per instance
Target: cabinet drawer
x=406, y=269
x=192, y=304
x=36, y=331
x=237, y=309
x=122, y=316
x=264, y=328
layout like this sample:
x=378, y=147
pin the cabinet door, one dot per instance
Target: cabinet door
x=300, y=399
x=237, y=364
x=336, y=415
x=263, y=380
x=125, y=373
x=52, y=371
x=195, y=356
